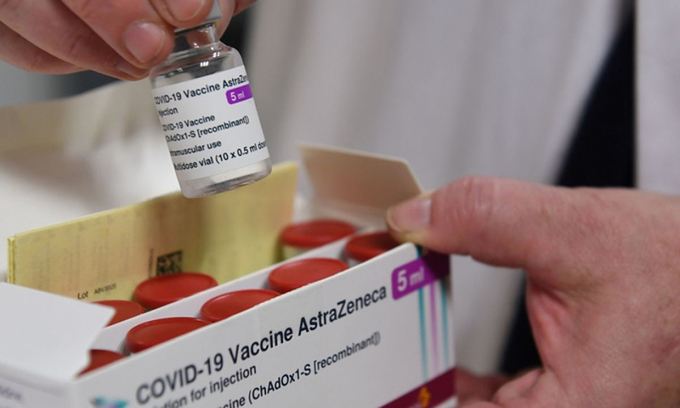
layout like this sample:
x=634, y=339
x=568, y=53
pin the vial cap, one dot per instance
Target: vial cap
x=296, y=274
x=101, y=358
x=155, y=332
x=316, y=233
x=125, y=309
x=165, y=289
x=229, y=304
x=364, y=247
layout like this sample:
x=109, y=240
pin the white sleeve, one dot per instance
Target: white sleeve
x=658, y=95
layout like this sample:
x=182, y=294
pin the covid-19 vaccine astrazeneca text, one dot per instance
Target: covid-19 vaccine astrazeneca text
x=206, y=108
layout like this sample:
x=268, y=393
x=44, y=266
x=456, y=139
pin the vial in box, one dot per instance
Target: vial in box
x=297, y=238
x=206, y=108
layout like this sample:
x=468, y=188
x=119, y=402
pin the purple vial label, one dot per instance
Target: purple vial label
x=240, y=94
x=419, y=273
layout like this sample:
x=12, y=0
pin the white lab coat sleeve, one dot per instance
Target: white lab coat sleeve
x=658, y=96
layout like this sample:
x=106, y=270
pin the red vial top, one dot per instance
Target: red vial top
x=313, y=234
x=165, y=289
x=296, y=274
x=125, y=309
x=364, y=247
x=229, y=304
x=155, y=332
x=100, y=358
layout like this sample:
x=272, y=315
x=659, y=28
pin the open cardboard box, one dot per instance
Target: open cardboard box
x=384, y=335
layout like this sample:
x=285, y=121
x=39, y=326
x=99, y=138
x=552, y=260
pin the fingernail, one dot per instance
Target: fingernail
x=184, y=10
x=411, y=216
x=131, y=70
x=144, y=40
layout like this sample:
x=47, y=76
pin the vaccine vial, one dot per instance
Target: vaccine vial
x=101, y=358
x=300, y=237
x=296, y=274
x=154, y=332
x=165, y=289
x=125, y=309
x=363, y=247
x=206, y=109
x=232, y=303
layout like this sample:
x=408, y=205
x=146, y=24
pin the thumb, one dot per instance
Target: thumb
x=472, y=387
x=499, y=222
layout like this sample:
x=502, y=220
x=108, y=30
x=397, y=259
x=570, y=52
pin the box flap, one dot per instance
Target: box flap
x=363, y=185
x=105, y=255
x=47, y=335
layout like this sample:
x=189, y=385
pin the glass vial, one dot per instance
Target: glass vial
x=206, y=108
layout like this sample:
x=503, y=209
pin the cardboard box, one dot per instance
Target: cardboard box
x=377, y=335
x=105, y=255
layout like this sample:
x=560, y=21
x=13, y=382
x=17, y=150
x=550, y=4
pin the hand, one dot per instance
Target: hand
x=472, y=388
x=603, y=291
x=120, y=38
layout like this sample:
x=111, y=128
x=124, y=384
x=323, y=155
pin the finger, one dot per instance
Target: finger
x=474, y=216
x=477, y=388
x=478, y=404
x=228, y=8
x=183, y=13
x=242, y=5
x=17, y=51
x=132, y=28
x=50, y=26
x=517, y=388
x=505, y=222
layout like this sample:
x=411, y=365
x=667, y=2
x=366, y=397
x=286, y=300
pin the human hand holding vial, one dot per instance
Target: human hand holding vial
x=206, y=108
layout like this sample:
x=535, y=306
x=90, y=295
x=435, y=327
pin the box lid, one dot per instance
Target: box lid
x=359, y=184
x=47, y=335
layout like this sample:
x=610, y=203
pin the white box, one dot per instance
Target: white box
x=395, y=348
